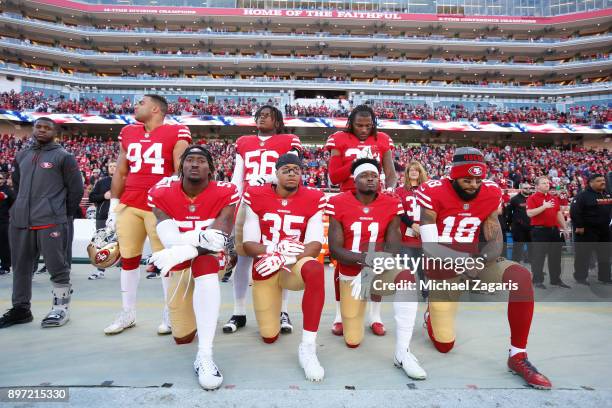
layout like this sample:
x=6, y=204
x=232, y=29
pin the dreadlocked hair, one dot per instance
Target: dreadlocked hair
x=197, y=149
x=361, y=110
x=277, y=115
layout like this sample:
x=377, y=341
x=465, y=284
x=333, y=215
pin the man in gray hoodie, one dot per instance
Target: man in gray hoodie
x=48, y=188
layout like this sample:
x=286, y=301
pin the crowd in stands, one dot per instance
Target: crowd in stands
x=477, y=112
x=567, y=168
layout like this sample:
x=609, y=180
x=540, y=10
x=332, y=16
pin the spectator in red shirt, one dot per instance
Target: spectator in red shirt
x=545, y=212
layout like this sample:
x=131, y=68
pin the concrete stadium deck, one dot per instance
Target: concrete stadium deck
x=569, y=342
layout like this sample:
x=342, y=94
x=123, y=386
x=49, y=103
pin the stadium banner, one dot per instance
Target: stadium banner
x=328, y=14
x=339, y=123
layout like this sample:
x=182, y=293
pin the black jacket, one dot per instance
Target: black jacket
x=48, y=186
x=590, y=209
x=97, y=197
x=516, y=213
x=7, y=197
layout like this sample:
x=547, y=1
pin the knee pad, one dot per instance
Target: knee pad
x=129, y=264
x=441, y=325
x=204, y=265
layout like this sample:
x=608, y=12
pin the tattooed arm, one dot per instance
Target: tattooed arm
x=493, y=234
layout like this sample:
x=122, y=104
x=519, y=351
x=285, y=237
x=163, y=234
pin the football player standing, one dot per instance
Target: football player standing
x=149, y=151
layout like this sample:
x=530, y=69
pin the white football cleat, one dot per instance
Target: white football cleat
x=209, y=376
x=409, y=363
x=307, y=356
x=165, y=327
x=124, y=320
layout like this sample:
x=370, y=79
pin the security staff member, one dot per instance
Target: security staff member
x=49, y=187
x=590, y=213
x=544, y=211
x=520, y=224
x=7, y=196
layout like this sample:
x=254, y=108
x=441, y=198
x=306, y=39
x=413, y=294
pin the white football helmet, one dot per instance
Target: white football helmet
x=103, y=249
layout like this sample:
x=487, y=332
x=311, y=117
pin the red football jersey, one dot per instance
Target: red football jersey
x=362, y=224
x=412, y=210
x=281, y=218
x=349, y=146
x=260, y=156
x=150, y=159
x=459, y=221
x=192, y=214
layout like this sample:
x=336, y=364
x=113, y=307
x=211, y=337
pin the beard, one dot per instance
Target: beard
x=291, y=189
x=367, y=192
x=462, y=194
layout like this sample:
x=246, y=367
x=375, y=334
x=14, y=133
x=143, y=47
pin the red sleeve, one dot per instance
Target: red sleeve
x=233, y=196
x=385, y=143
x=183, y=133
x=296, y=143
x=427, y=195
x=240, y=146
x=322, y=206
x=496, y=193
x=122, y=133
x=248, y=195
x=155, y=198
x=330, y=208
x=317, y=202
x=332, y=142
x=338, y=171
x=397, y=206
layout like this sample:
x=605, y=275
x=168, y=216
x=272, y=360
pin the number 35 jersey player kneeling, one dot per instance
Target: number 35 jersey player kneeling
x=283, y=231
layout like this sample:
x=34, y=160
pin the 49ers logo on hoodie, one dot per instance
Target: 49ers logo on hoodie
x=46, y=165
